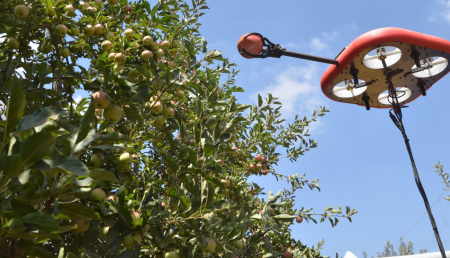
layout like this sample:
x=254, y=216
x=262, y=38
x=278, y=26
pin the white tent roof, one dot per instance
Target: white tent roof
x=425, y=255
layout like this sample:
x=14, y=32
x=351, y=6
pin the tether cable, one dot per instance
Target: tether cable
x=397, y=119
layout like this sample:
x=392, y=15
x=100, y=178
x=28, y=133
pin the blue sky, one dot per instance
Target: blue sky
x=361, y=159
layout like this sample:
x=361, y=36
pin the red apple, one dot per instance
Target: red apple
x=287, y=254
x=263, y=159
x=299, y=219
x=264, y=172
x=127, y=8
x=135, y=218
x=99, y=29
x=168, y=112
x=253, y=44
x=127, y=18
x=111, y=56
x=252, y=167
x=258, y=166
x=257, y=158
x=101, y=99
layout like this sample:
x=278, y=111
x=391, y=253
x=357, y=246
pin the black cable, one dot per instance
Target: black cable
x=398, y=122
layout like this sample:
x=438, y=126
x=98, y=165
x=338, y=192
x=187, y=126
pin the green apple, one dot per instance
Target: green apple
x=120, y=58
x=159, y=53
x=97, y=195
x=104, y=232
x=138, y=238
x=13, y=43
x=159, y=121
x=113, y=113
x=171, y=255
x=165, y=44
x=175, y=43
x=145, y=228
x=225, y=182
x=154, y=46
x=111, y=56
x=125, y=162
x=83, y=225
x=179, y=94
x=168, y=112
x=113, y=2
x=89, y=30
x=61, y=30
x=118, y=67
x=107, y=45
x=21, y=11
x=64, y=52
x=239, y=244
x=99, y=29
x=135, y=218
x=129, y=33
x=147, y=40
x=96, y=159
x=101, y=99
x=69, y=9
x=210, y=247
x=146, y=54
x=128, y=241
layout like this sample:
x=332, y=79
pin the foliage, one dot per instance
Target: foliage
x=440, y=170
x=403, y=249
x=165, y=176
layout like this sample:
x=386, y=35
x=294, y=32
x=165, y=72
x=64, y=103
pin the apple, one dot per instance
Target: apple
x=101, y=99
x=257, y=158
x=125, y=162
x=253, y=44
x=84, y=4
x=127, y=18
x=97, y=195
x=159, y=121
x=128, y=241
x=113, y=114
x=146, y=54
x=111, y=56
x=83, y=225
x=112, y=2
x=98, y=2
x=120, y=58
x=175, y=43
x=110, y=35
x=299, y=219
x=263, y=159
x=171, y=255
x=96, y=159
x=118, y=67
x=221, y=162
x=157, y=107
x=92, y=9
x=159, y=53
x=13, y=43
x=163, y=204
x=179, y=94
x=133, y=73
x=46, y=47
x=252, y=167
x=74, y=31
x=168, y=112
x=239, y=244
x=106, y=45
x=64, y=52
x=89, y=30
x=21, y=11
x=69, y=9
x=287, y=254
x=225, y=182
x=264, y=166
x=210, y=247
x=135, y=218
x=138, y=238
x=99, y=29
x=229, y=212
x=61, y=30
x=127, y=8
x=154, y=46
x=165, y=44
x=104, y=232
x=173, y=52
x=148, y=40
x=258, y=166
x=264, y=172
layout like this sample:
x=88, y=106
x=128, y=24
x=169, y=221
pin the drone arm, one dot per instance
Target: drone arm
x=310, y=57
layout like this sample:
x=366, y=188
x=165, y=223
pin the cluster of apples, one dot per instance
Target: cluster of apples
x=261, y=163
x=111, y=113
x=162, y=113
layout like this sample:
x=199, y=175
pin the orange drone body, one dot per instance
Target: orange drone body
x=395, y=46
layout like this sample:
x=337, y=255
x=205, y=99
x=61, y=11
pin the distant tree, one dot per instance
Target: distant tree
x=403, y=249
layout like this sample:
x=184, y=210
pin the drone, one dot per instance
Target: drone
x=384, y=68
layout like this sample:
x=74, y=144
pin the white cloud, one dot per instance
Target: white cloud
x=317, y=45
x=351, y=26
x=445, y=13
x=331, y=35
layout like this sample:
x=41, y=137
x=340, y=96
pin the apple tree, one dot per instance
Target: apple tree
x=158, y=161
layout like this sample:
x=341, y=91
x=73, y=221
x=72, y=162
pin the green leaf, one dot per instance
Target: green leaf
x=12, y=167
x=114, y=137
x=209, y=149
x=91, y=137
x=284, y=218
x=88, y=118
x=40, y=117
x=213, y=54
x=78, y=211
x=16, y=105
x=242, y=107
x=98, y=174
x=41, y=221
x=21, y=206
x=185, y=202
x=36, y=147
x=260, y=100
x=70, y=165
